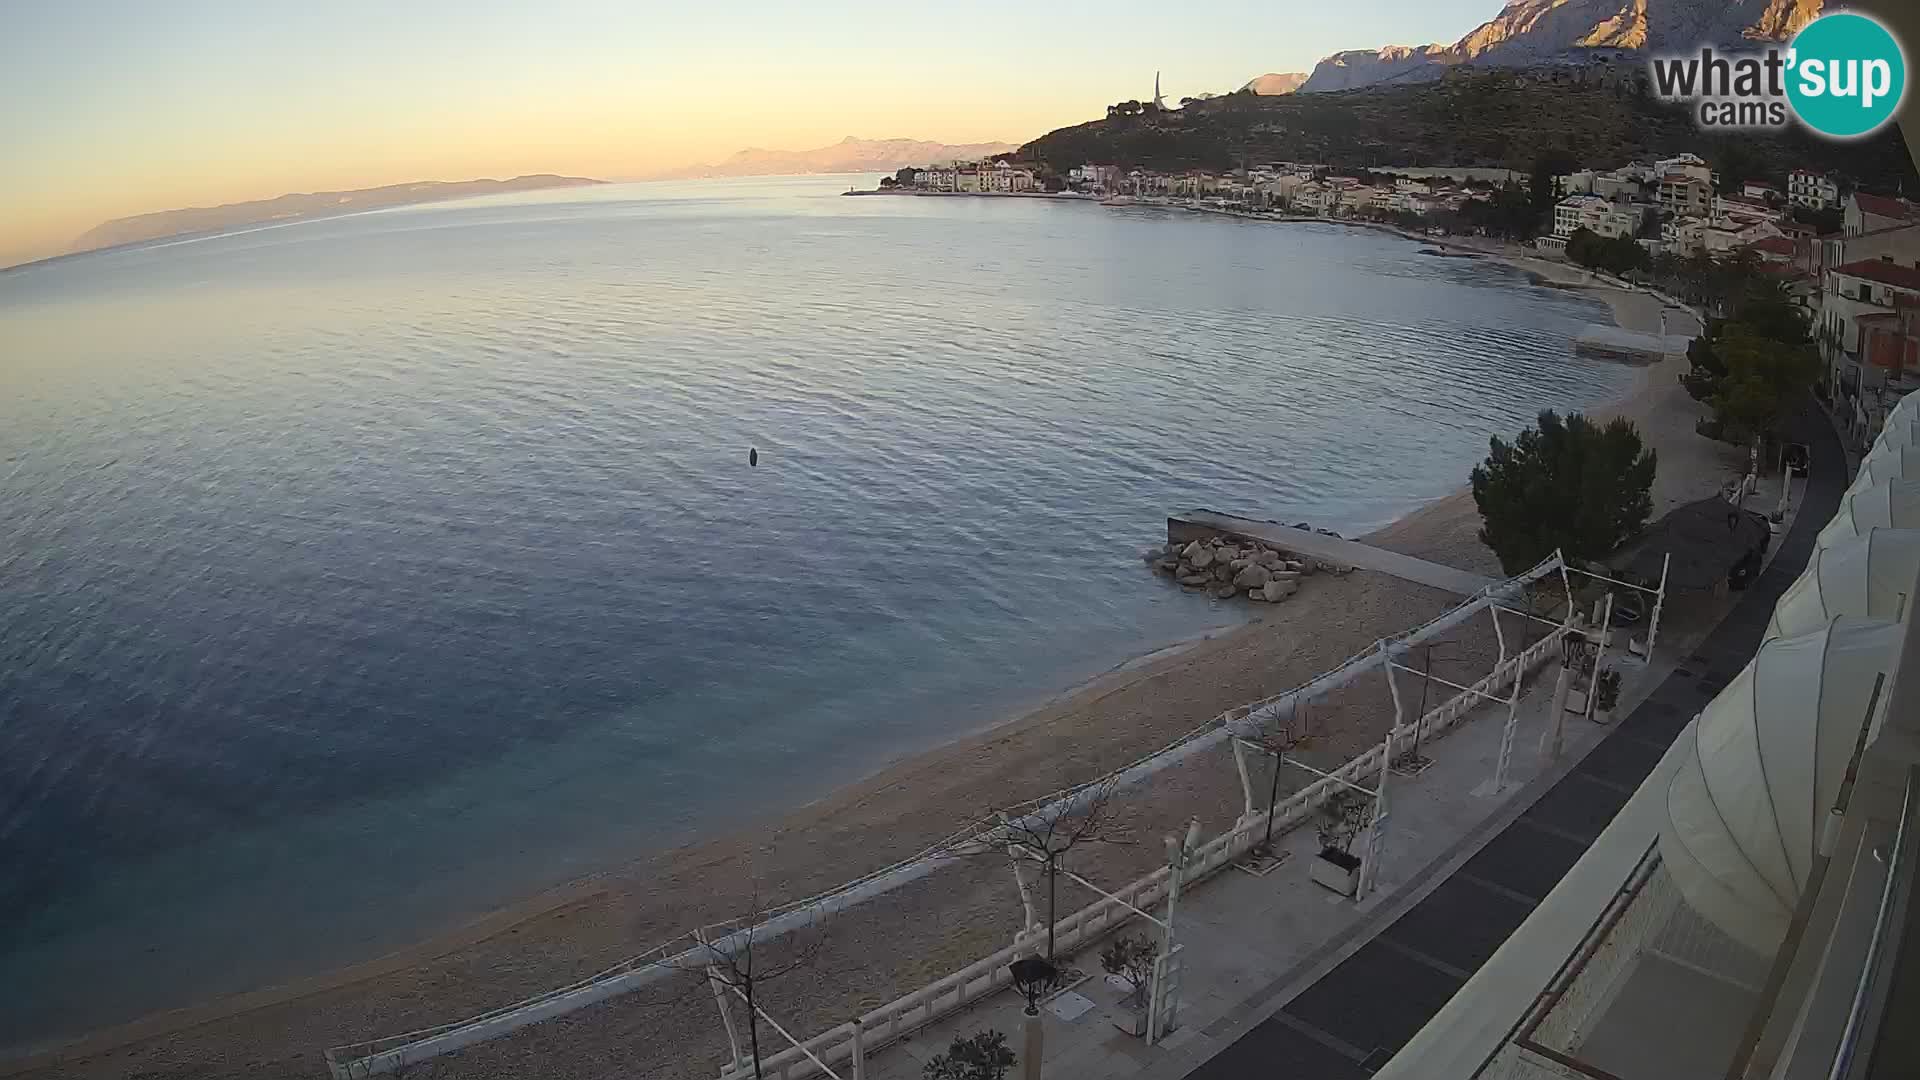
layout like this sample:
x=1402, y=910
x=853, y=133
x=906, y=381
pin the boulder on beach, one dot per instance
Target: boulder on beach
x=1191, y=550
x=1201, y=558
x=1258, y=596
x=1195, y=581
x=1224, y=591
x=1222, y=572
x=1267, y=557
x=1167, y=566
x=1251, y=576
x=1276, y=591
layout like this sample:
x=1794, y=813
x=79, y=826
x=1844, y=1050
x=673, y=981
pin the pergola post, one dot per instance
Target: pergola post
x=1029, y=920
x=859, y=1041
x=720, y=999
x=1246, y=782
x=1659, y=599
x=1498, y=635
x=1506, y=739
x=1566, y=582
x=1554, y=739
x=1600, y=655
x=1393, y=688
x=1376, y=826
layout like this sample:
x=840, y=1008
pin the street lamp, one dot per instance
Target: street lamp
x=1033, y=976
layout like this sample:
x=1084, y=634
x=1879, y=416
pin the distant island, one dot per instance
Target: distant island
x=850, y=155
x=304, y=205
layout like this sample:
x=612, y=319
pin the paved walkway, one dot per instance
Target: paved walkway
x=1335, y=550
x=1350, y=1020
x=1244, y=937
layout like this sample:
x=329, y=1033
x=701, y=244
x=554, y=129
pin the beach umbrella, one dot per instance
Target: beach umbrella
x=1762, y=767
x=1890, y=504
x=1871, y=574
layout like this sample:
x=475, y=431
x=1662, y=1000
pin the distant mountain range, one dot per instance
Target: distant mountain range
x=1273, y=83
x=1534, y=33
x=849, y=155
x=295, y=207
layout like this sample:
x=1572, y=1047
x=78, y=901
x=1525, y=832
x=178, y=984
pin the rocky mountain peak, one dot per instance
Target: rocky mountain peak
x=1530, y=33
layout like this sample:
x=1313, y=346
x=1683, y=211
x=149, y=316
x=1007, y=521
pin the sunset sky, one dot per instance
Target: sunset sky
x=122, y=108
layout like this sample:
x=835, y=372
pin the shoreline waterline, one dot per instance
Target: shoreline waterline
x=546, y=904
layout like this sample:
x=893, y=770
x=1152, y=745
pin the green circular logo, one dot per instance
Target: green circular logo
x=1847, y=75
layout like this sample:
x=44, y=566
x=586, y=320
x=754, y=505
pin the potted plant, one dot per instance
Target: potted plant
x=1606, y=694
x=1130, y=959
x=1342, y=816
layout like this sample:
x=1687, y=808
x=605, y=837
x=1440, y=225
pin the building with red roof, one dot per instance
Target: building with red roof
x=1870, y=213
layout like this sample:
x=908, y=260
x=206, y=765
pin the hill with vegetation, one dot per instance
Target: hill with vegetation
x=1599, y=117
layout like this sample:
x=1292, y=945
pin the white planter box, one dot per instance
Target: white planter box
x=1337, y=871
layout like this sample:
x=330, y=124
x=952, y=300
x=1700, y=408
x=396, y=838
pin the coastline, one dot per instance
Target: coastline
x=561, y=934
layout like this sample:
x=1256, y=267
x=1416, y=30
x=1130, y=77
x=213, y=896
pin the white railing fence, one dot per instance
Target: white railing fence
x=1073, y=932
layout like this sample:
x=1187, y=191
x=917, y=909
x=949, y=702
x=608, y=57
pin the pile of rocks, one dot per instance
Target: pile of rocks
x=1226, y=567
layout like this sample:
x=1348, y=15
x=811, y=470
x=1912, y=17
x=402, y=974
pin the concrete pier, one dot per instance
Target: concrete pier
x=1204, y=524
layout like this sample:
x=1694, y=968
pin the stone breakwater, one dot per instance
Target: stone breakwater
x=1228, y=566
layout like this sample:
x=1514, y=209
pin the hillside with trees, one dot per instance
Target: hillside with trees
x=1600, y=118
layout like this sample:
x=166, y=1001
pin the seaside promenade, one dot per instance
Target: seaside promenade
x=1285, y=978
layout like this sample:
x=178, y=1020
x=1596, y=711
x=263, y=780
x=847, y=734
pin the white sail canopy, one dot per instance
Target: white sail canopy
x=1907, y=408
x=1887, y=463
x=1901, y=428
x=1868, y=575
x=1890, y=504
x=1746, y=808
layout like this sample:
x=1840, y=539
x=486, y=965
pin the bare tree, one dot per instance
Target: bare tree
x=740, y=962
x=1294, y=733
x=1045, y=833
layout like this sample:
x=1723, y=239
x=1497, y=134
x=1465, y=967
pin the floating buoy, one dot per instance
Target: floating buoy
x=753, y=456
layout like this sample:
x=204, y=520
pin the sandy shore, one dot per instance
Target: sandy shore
x=899, y=941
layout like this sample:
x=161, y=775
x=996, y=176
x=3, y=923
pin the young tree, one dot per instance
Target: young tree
x=1342, y=818
x=1043, y=835
x=1132, y=959
x=984, y=1055
x=739, y=966
x=1564, y=484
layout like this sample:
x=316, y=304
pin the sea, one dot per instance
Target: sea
x=362, y=575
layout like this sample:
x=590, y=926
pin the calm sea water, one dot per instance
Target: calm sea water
x=357, y=576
